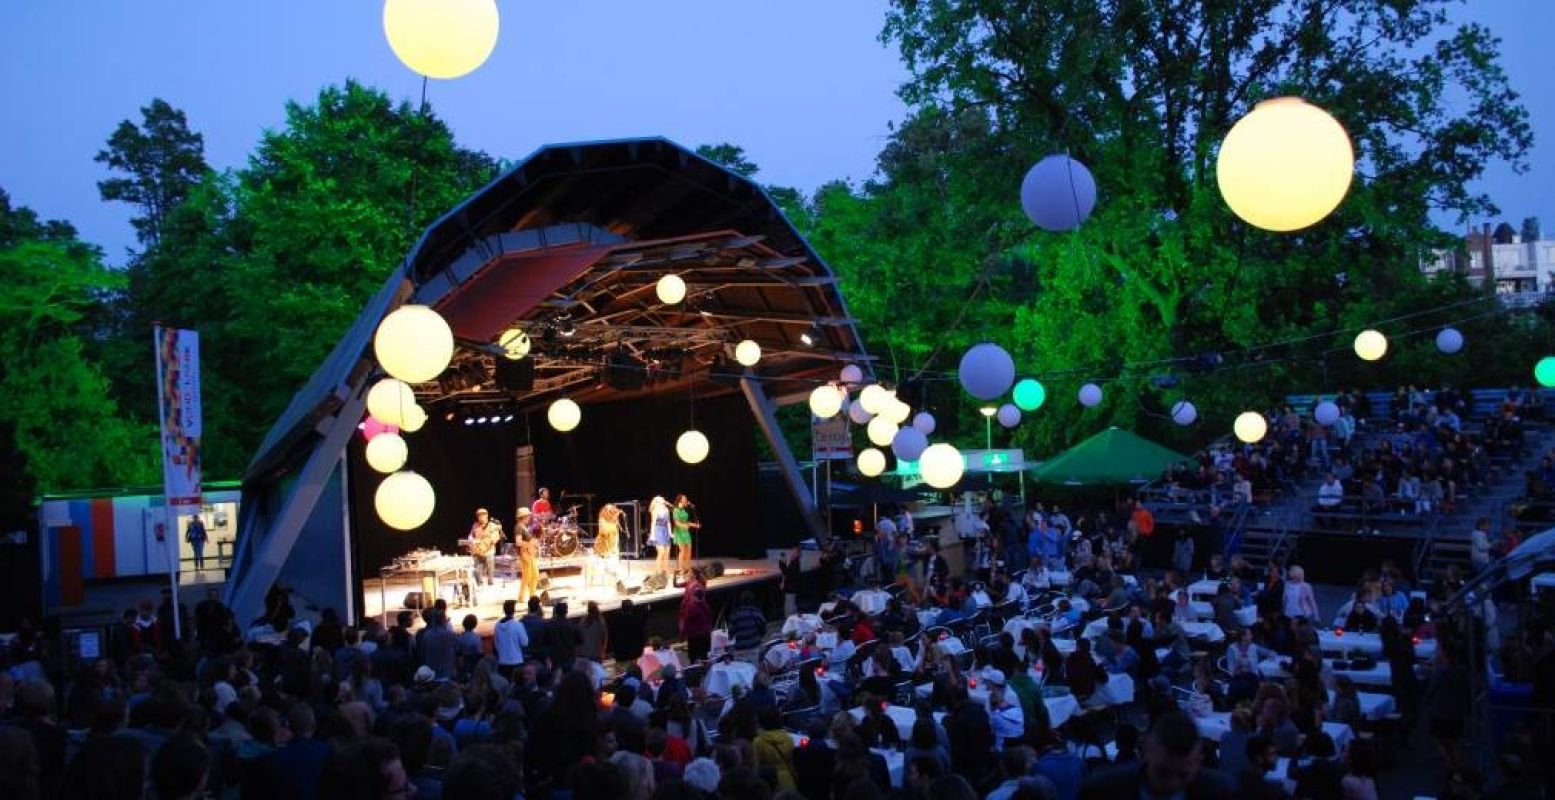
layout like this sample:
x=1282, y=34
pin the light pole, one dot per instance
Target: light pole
x=988, y=412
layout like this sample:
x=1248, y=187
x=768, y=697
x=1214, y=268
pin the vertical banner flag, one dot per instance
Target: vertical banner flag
x=830, y=438
x=178, y=399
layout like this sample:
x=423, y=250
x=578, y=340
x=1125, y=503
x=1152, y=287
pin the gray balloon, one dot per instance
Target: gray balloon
x=1058, y=193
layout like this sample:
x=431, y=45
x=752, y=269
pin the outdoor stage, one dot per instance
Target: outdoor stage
x=757, y=575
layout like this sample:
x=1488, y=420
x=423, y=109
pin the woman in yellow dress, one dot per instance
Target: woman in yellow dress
x=607, y=538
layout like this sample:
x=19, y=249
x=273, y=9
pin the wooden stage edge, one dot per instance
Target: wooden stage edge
x=568, y=585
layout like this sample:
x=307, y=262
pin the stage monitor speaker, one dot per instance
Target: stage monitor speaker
x=715, y=569
x=655, y=582
x=417, y=600
x=624, y=590
x=515, y=376
x=625, y=372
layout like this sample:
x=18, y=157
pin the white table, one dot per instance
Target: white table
x=780, y=658
x=904, y=658
x=1205, y=589
x=1379, y=675
x=950, y=646
x=1059, y=707
x=903, y=716
x=870, y=601
x=1217, y=724
x=802, y=624
x=1208, y=631
x=826, y=640
x=895, y=760
x=928, y=617
x=1369, y=644
x=1373, y=706
x=651, y=660
x=722, y=677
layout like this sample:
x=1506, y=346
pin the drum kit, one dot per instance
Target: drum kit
x=560, y=535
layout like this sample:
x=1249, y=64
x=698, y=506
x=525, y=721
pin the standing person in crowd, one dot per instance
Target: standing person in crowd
x=1299, y=600
x=696, y=624
x=1172, y=766
x=627, y=631
x=561, y=639
x=510, y=639
x=1479, y=545
x=747, y=627
x=592, y=634
x=789, y=568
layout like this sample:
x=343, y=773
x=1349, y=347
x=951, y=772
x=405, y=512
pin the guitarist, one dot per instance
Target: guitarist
x=681, y=532
x=485, y=536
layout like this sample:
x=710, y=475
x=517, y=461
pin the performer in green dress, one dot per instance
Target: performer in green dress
x=681, y=533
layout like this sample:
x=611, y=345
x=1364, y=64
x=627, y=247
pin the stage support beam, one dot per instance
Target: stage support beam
x=246, y=590
x=765, y=411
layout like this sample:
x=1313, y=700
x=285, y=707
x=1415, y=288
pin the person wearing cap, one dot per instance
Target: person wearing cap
x=485, y=535
x=1004, y=712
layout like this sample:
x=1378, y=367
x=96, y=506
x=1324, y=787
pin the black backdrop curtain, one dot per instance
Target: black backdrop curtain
x=620, y=451
x=624, y=451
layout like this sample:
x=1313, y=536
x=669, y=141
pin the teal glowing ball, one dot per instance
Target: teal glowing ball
x=1544, y=371
x=1029, y=395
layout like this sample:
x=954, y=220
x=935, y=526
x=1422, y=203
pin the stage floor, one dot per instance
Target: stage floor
x=567, y=584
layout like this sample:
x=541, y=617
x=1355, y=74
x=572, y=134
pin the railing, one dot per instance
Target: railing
x=1423, y=547
x=1523, y=300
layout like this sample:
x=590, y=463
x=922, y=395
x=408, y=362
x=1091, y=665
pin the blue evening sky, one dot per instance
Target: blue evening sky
x=803, y=85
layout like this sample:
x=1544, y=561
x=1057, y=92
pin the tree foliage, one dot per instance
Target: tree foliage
x=159, y=162
x=935, y=254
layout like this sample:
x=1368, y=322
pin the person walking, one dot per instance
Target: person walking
x=197, y=537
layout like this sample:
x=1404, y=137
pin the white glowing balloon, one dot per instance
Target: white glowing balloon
x=441, y=38
x=1009, y=415
x=415, y=419
x=941, y=465
x=692, y=447
x=881, y=431
x=1371, y=345
x=909, y=443
x=858, y=414
x=564, y=414
x=897, y=411
x=671, y=289
x=986, y=371
x=1184, y=413
x=1326, y=412
x=1250, y=426
x=871, y=462
x=1285, y=165
x=515, y=344
x=404, y=500
x=1058, y=193
x=413, y=343
x=1449, y=340
x=825, y=401
x=851, y=375
x=748, y=353
x=390, y=401
x=874, y=398
x=1090, y=395
x=387, y=452
x=924, y=422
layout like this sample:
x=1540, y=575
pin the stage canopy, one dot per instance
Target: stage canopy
x=1111, y=458
x=568, y=247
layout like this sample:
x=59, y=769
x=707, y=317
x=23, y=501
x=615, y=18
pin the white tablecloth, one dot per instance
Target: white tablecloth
x=928, y=617
x=723, y=677
x=950, y=646
x=826, y=640
x=870, y=601
x=903, y=716
x=1208, y=631
x=1215, y=725
x=1379, y=675
x=904, y=658
x=1203, y=590
x=780, y=658
x=651, y=660
x=1059, y=707
x=895, y=760
x=1373, y=706
x=1365, y=643
x=801, y=624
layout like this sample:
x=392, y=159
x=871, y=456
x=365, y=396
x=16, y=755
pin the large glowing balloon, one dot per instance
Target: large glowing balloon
x=442, y=38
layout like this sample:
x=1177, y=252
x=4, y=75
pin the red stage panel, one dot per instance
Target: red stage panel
x=72, y=587
x=509, y=287
x=104, y=562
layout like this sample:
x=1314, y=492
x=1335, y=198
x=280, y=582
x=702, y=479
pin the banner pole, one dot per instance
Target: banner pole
x=170, y=534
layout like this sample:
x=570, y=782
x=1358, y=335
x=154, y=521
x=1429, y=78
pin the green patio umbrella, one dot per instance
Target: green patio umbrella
x=1113, y=457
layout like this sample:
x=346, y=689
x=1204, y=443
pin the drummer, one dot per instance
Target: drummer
x=542, y=504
